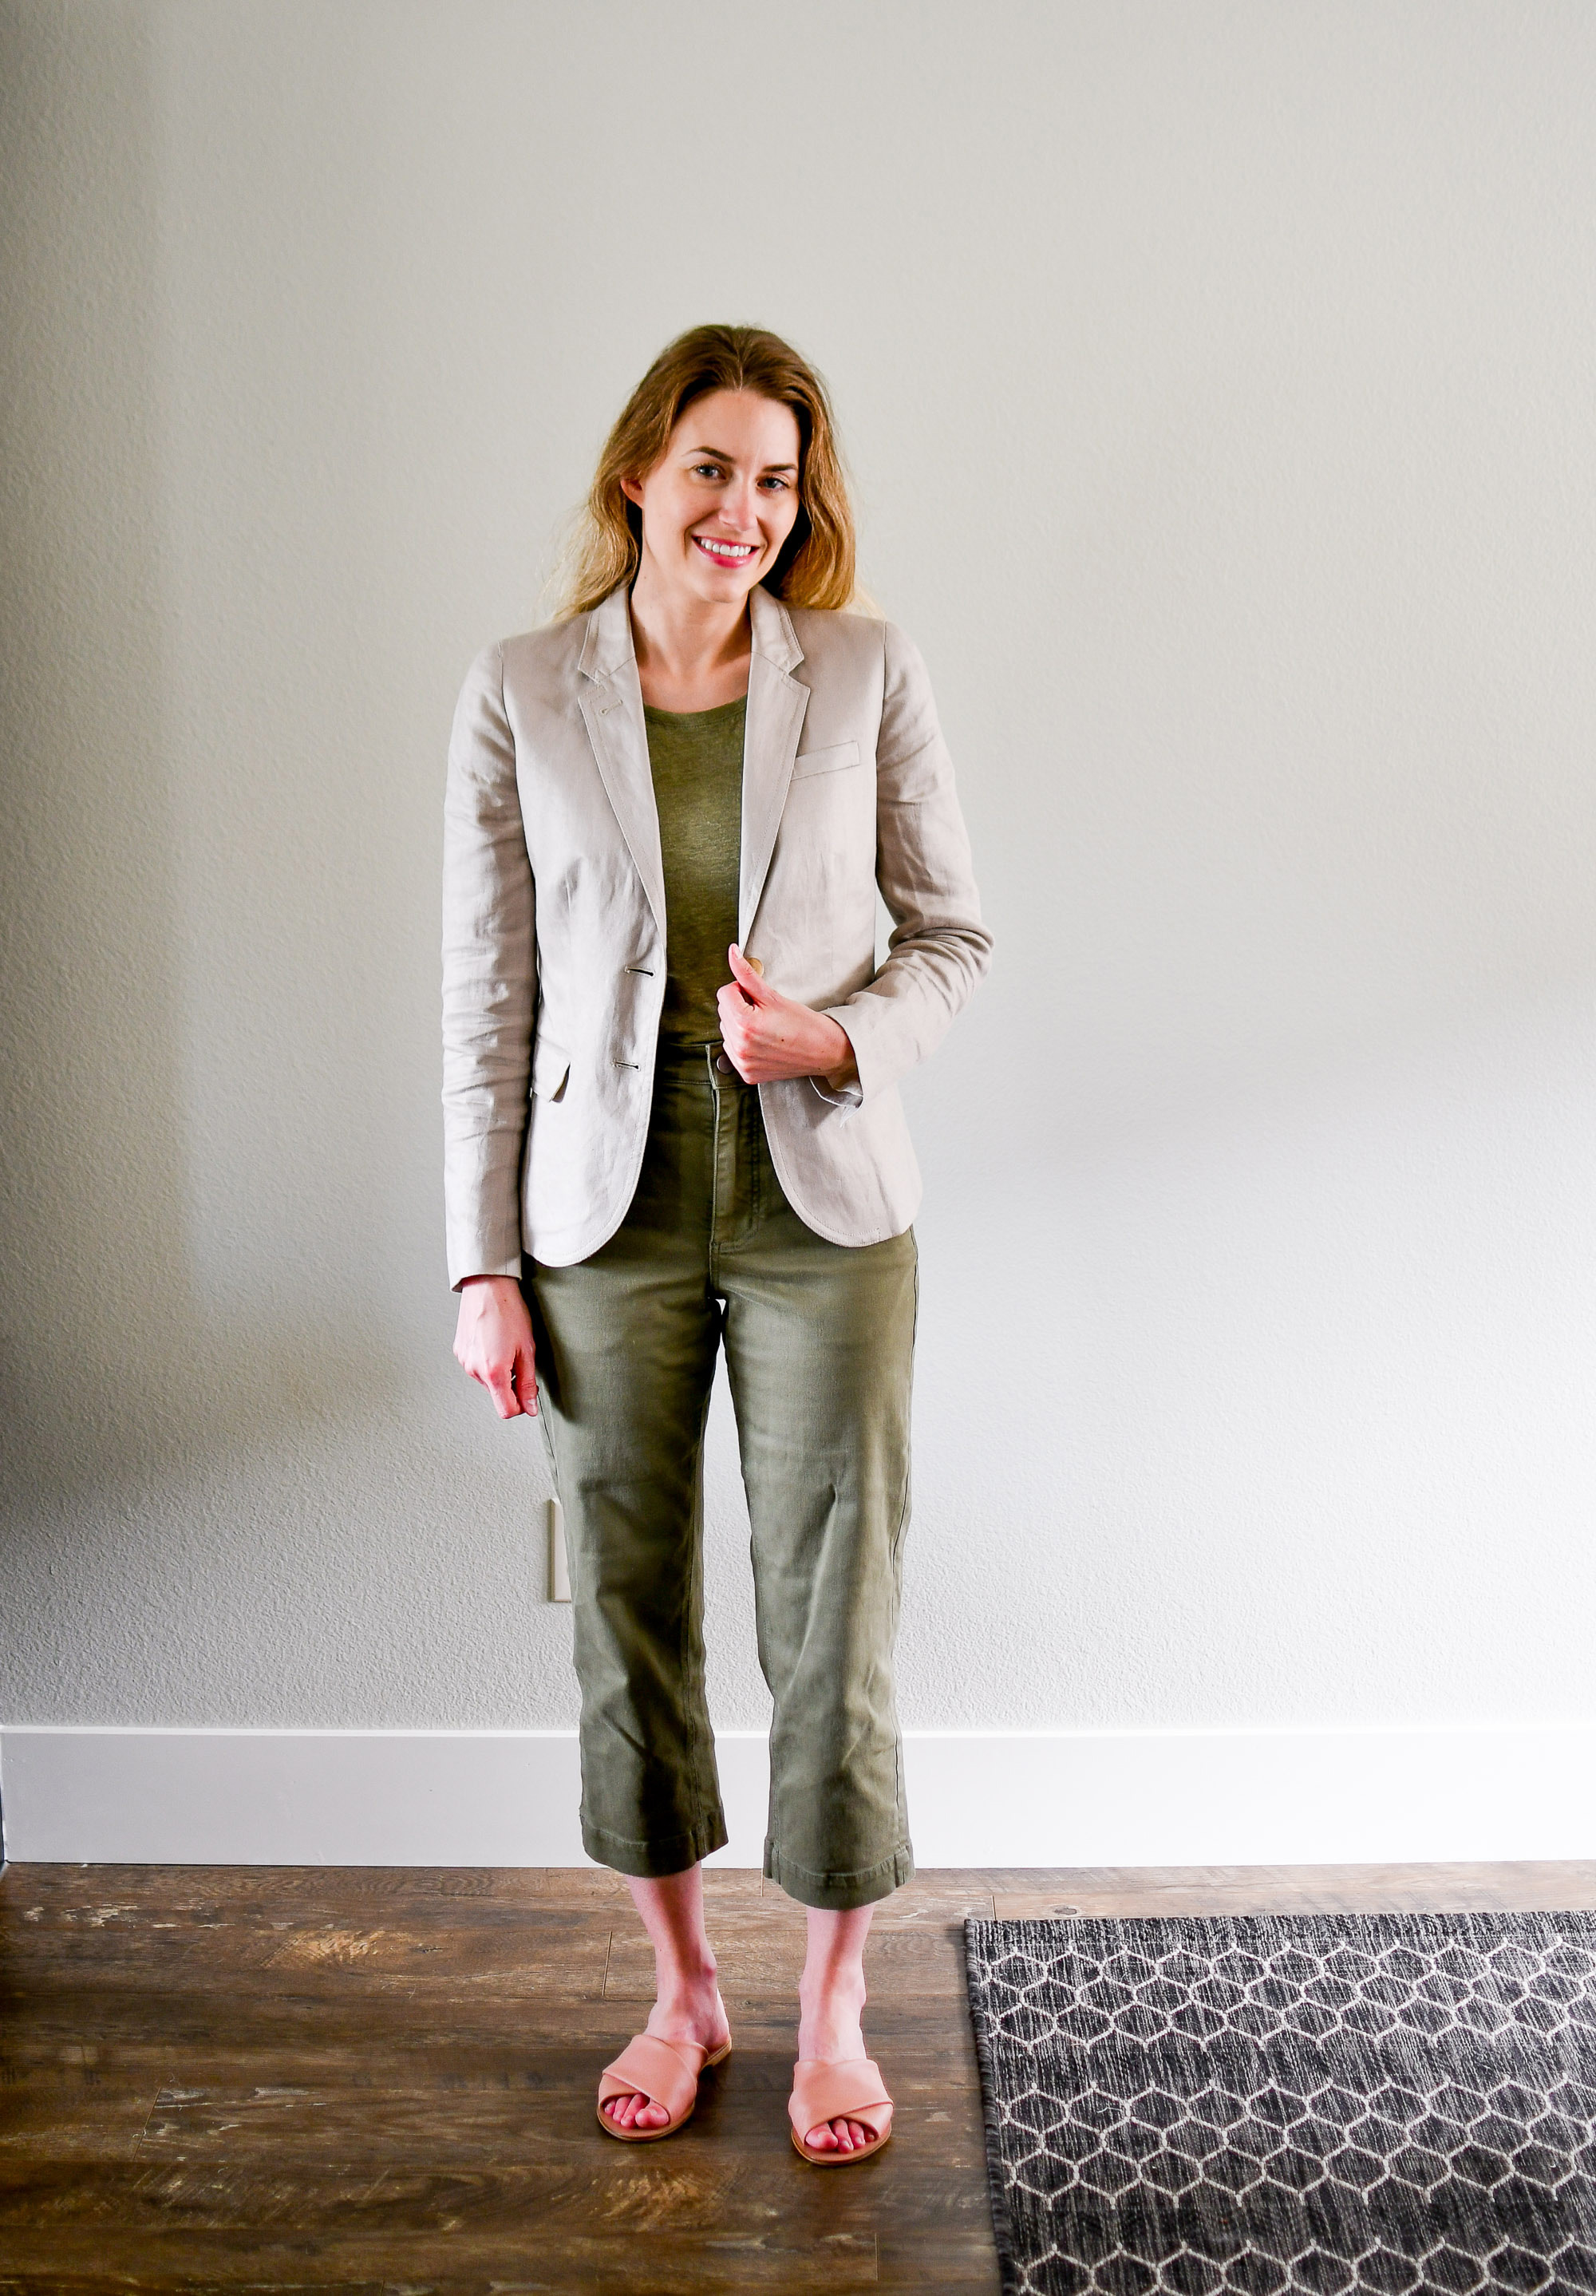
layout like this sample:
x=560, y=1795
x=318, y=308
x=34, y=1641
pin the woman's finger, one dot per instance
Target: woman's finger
x=497, y=1381
x=526, y=1378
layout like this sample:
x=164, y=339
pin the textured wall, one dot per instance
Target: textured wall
x=1218, y=380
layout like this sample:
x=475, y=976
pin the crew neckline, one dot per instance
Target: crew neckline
x=653, y=710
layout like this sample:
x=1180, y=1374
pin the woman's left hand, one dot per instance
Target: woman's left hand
x=768, y=1036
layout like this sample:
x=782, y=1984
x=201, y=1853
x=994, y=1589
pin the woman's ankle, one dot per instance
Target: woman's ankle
x=830, y=2016
x=686, y=1986
x=834, y=1991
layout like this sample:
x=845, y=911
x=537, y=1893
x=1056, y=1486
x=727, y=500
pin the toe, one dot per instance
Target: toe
x=838, y=2136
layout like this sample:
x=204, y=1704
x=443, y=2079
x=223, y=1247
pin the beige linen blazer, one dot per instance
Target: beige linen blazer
x=555, y=924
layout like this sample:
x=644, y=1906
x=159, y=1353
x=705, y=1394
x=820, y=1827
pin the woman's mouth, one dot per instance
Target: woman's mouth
x=725, y=554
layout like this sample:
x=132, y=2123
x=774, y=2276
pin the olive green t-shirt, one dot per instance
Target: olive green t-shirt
x=696, y=759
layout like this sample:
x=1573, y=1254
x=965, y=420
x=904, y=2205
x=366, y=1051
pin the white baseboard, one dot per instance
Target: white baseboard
x=976, y=1798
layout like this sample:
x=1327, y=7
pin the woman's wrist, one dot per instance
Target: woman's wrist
x=842, y=1069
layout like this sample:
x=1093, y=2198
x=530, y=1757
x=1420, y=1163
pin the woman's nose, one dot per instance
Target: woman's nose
x=737, y=507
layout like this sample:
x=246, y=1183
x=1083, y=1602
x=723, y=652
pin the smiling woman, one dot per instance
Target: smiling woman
x=711, y=766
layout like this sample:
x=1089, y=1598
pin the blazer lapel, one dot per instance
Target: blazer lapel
x=775, y=719
x=611, y=704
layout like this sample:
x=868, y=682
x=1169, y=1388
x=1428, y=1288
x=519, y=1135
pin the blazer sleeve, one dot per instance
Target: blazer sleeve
x=490, y=981
x=939, y=948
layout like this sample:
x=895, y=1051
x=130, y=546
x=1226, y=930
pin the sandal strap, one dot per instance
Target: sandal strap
x=666, y=2073
x=853, y=2090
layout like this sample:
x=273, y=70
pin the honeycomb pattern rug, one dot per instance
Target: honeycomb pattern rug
x=1269, y=2102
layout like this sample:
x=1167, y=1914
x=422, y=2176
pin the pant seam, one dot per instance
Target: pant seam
x=695, y=1599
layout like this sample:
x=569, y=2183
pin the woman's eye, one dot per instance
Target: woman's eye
x=774, y=482
x=707, y=470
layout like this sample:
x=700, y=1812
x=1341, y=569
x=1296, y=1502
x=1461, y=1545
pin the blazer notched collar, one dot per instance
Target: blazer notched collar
x=611, y=703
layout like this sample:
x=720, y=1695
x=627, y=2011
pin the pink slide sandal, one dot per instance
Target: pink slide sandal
x=853, y=2090
x=666, y=2073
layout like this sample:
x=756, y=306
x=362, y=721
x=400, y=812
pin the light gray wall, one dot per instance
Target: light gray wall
x=1218, y=380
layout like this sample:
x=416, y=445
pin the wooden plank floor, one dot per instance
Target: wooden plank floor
x=229, y=2078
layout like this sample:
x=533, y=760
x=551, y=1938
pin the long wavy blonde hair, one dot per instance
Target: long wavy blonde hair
x=815, y=567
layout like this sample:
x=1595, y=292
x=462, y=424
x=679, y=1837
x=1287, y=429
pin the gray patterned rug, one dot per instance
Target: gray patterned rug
x=1267, y=2103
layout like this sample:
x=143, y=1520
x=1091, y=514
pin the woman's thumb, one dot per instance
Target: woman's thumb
x=746, y=971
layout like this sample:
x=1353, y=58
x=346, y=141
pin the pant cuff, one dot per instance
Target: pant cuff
x=669, y=1853
x=840, y=1893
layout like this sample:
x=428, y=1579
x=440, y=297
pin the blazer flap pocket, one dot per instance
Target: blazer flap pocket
x=825, y=761
x=550, y=1066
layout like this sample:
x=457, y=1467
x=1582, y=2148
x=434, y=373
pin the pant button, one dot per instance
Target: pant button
x=723, y=1062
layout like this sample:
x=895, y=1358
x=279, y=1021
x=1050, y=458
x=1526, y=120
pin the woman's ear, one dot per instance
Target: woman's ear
x=633, y=490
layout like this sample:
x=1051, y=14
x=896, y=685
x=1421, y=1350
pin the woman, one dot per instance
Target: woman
x=672, y=1123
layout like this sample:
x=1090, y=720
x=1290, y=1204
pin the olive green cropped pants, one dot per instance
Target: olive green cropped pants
x=819, y=1343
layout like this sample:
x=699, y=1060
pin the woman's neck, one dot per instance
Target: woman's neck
x=692, y=653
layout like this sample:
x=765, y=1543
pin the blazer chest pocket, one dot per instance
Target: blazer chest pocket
x=550, y=1066
x=825, y=761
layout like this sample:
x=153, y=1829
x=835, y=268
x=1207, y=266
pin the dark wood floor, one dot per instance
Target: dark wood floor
x=254, y=2078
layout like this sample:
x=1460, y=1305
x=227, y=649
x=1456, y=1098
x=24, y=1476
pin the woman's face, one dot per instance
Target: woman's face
x=722, y=499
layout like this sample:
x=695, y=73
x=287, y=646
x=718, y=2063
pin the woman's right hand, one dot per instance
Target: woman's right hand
x=492, y=1342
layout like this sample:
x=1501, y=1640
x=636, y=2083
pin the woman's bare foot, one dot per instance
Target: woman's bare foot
x=688, y=2007
x=830, y=2003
